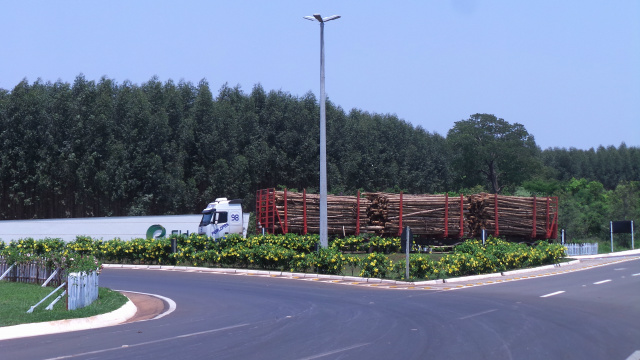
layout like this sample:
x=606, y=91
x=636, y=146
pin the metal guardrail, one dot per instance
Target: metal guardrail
x=581, y=249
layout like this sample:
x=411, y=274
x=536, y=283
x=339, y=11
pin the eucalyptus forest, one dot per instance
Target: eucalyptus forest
x=102, y=148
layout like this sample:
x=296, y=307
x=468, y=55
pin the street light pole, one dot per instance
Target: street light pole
x=324, y=233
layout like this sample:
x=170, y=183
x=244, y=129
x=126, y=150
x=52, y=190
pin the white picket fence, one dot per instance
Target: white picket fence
x=581, y=249
x=82, y=289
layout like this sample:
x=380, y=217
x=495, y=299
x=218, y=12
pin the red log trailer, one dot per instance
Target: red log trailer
x=429, y=216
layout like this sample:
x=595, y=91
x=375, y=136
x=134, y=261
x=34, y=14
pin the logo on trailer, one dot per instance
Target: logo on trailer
x=156, y=231
x=219, y=229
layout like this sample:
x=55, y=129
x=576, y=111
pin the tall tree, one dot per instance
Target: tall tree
x=486, y=148
x=608, y=166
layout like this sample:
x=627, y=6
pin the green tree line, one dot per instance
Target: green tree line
x=102, y=148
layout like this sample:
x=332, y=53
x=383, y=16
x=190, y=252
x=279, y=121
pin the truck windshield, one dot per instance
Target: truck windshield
x=206, y=218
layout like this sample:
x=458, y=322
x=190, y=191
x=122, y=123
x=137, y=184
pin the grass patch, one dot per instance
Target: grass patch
x=17, y=298
x=350, y=270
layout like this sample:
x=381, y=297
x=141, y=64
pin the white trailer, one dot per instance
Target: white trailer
x=105, y=228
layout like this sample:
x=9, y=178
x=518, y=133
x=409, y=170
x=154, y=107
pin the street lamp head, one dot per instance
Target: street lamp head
x=320, y=18
x=332, y=17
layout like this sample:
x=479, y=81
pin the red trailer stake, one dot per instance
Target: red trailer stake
x=495, y=198
x=285, y=227
x=446, y=215
x=533, y=233
x=461, y=216
x=400, y=227
x=358, y=215
x=304, y=210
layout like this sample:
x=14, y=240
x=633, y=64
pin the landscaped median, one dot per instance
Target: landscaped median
x=363, y=257
x=355, y=279
x=110, y=309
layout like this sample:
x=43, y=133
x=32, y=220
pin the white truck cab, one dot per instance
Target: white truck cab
x=223, y=217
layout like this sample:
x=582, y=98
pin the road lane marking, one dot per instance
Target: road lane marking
x=170, y=302
x=552, y=294
x=634, y=356
x=334, y=352
x=601, y=282
x=125, y=346
x=478, y=314
x=638, y=274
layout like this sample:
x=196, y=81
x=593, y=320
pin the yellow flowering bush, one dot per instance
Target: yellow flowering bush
x=376, y=265
x=84, y=245
x=114, y=250
x=351, y=262
x=300, y=262
x=384, y=245
x=420, y=267
x=52, y=253
x=327, y=261
x=270, y=257
x=471, y=257
x=349, y=243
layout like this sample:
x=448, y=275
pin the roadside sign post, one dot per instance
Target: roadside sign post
x=621, y=227
x=406, y=240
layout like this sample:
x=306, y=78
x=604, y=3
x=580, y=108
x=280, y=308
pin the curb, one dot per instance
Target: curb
x=370, y=280
x=118, y=316
x=471, y=278
x=620, y=253
x=545, y=267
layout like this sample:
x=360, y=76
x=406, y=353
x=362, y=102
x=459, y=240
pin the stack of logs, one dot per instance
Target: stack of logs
x=514, y=215
x=425, y=214
x=341, y=213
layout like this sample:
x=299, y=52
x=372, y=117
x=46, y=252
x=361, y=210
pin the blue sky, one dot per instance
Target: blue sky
x=569, y=71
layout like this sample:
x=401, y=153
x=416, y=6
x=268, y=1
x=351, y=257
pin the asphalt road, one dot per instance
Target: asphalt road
x=590, y=314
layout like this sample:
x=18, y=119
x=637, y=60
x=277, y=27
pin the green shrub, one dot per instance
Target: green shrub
x=376, y=265
x=421, y=267
x=328, y=261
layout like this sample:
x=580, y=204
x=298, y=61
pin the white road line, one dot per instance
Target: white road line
x=147, y=342
x=638, y=274
x=478, y=314
x=552, y=294
x=334, y=352
x=171, y=303
x=634, y=356
x=601, y=282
